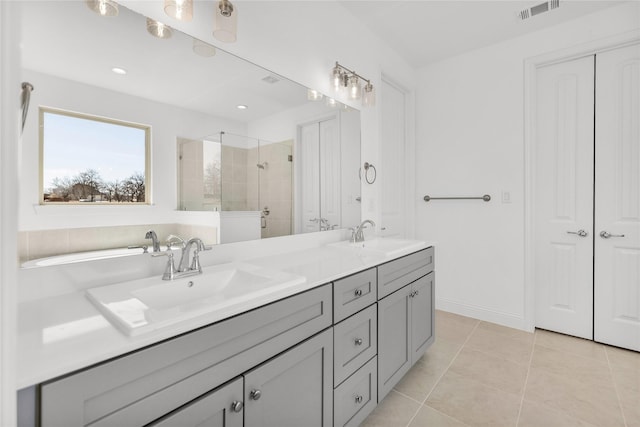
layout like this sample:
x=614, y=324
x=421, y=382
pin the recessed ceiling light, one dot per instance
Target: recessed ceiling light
x=241, y=107
x=119, y=70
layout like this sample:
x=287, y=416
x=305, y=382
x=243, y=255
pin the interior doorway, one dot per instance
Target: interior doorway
x=586, y=197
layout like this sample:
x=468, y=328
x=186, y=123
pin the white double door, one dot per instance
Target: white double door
x=320, y=176
x=587, y=197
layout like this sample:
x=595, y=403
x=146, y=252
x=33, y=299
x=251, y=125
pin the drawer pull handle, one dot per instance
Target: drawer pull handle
x=237, y=406
x=255, y=394
x=358, y=292
x=413, y=294
x=358, y=341
x=358, y=399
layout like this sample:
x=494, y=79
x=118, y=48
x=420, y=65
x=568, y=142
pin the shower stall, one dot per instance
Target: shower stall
x=235, y=173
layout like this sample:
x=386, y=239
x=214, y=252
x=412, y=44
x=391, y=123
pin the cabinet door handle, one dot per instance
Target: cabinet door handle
x=358, y=341
x=412, y=294
x=416, y=292
x=358, y=293
x=358, y=399
x=255, y=394
x=606, y=235
x=237, y=406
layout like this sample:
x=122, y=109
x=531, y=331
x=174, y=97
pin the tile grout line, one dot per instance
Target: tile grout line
x=615, y=386
x=443, y=374
x=526, y=378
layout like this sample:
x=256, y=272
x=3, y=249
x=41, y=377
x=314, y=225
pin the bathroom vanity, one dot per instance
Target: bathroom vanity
x=322, y=356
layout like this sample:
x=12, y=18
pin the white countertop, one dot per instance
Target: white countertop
x=60, y=334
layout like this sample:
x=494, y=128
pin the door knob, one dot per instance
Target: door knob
x=580, y=233
x=255, y=394
x=606, y=235
x=237, y=406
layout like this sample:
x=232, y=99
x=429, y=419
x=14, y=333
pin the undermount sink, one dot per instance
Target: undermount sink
x=384, y=246
x=148, y=304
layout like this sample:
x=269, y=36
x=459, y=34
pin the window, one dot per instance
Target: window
x=90, y=160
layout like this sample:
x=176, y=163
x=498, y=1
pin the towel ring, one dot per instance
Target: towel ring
x=368, y=166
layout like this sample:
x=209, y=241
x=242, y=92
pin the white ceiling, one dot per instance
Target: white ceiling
x=426, y=31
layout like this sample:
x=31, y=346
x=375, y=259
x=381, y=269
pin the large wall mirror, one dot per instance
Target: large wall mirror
x=234, y=147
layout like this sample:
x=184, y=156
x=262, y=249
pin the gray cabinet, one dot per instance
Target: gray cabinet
x=355, y=398
x=222, y=407
x=354, y=293
x=400, y=272
x=293, y=389
x=405, y=315
x=355, y=342
x=136, y=389
x=422, y=315
x=394, y=340
x=405, y=330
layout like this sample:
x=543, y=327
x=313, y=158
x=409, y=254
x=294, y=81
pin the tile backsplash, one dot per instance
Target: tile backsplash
x=44, y=243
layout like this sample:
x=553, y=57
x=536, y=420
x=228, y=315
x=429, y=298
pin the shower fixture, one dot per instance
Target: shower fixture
x=262, y=165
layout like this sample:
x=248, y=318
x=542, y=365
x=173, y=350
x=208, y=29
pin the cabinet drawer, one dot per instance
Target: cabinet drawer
x=140, y=387
x=400, y=272
x=213, y=409
x=354, y=342
x=353, y=293
x=355, y=398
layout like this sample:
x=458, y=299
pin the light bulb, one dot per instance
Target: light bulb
x=182, y=10
x=354, y=87
x=368, y=95
x=103, y=7
x=158, y=29
x=314, y=95
x=226, y=22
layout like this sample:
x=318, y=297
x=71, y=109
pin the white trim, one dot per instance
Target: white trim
x=9, y=138
x=530, y=67
x=510, y=320
x=409, y=154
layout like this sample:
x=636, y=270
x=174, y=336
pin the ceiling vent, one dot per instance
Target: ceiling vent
x=271, y=79
x=532, y=11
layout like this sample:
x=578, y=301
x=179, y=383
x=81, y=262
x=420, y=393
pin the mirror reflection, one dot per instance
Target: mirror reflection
x=234, y=148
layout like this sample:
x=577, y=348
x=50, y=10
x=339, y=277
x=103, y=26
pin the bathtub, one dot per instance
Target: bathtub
x=83, y=256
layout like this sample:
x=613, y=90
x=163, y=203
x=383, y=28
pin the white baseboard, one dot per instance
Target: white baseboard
x=481, y=313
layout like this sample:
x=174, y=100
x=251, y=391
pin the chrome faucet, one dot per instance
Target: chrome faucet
x=183, y=269
x=154, y=240
x=357, y=234
x=184, y=266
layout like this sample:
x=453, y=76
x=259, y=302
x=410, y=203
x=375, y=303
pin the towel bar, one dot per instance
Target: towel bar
x=486, y=198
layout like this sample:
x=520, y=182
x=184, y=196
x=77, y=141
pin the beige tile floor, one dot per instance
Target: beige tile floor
x=481, y=374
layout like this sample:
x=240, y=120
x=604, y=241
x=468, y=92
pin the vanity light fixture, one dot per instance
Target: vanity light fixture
x=158, y=29
x=343, y=78
x=120, y=71
x=226, y=22
x=103, y=7
x=182, y=10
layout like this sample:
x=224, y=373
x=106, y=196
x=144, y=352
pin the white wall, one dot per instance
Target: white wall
x=9, y=131
x=167, y=123
x=470, y=124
